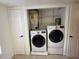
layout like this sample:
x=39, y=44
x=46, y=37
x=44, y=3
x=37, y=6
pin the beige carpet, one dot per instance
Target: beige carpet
x=41, y=57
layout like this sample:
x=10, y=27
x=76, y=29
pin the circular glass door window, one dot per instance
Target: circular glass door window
x=38, y=41
x=56, y=36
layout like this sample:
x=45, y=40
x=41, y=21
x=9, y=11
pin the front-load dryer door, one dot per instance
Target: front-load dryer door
x=56, y=36
x=38, y=43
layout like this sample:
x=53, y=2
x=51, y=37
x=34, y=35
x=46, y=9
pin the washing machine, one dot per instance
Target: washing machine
x=55, y=35
x=38, y=42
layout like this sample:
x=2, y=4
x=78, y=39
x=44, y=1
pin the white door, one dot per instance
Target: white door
x=73, y=43
x=17, y=30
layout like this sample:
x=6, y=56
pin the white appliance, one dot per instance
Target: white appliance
x=38, y=42
x=55, y=39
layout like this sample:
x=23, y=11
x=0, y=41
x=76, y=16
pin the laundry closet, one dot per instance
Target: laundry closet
x=46, y=30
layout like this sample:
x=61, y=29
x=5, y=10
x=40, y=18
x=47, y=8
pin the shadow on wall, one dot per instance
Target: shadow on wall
x=0, y=50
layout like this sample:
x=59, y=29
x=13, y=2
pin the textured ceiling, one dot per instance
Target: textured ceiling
x=33, y=2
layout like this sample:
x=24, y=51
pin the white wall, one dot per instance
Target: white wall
x=22, y=46
x=5, y=35
x=22, y=12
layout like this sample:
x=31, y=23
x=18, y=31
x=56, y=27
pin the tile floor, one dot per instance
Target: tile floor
x=42, y=57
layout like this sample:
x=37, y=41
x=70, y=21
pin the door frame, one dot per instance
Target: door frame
x=67, y=20
x=67, y=12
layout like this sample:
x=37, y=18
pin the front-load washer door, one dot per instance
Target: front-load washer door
x=38, y=41
x=56, y=36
